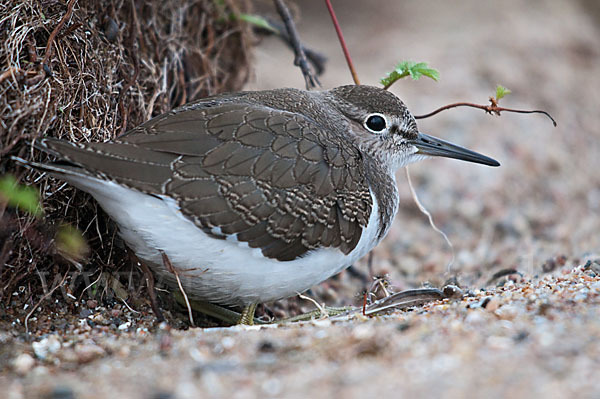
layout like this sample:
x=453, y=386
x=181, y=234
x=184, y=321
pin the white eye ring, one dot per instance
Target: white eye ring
x=373, y=123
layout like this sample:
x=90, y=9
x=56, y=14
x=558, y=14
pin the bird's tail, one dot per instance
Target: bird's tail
x=60, y=169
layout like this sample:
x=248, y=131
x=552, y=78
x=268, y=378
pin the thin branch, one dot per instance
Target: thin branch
x=338, y=30
x=405, y=299
x=129, y=307
x=14, y=142
x=167, y=263
x=424, y=211
x=42, y=299
x=323, y=312
x=317, y=59
x=300, y=60
x=493, y=108
x=149, y=284
x=11, y=73
x=55, y=33
x=123, y=110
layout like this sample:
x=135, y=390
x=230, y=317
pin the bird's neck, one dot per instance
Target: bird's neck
x=382, y=183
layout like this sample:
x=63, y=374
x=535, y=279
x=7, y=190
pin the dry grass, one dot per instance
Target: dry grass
x=88, y=71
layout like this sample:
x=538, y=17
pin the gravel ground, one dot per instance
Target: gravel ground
x=531, y=334
x=536, y=337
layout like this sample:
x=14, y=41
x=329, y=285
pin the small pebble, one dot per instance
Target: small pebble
x=227, y=342
x=124, y=326
x=266, y=346
x=88, y=352
x=61, y=392
x=492, y=305
x=23, y=363
x=46, y=346
x=363, y=331
x=92, y=303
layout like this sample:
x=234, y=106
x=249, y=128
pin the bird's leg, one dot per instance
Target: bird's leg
x=247, y=317
x=210, y=309
x=219, y=312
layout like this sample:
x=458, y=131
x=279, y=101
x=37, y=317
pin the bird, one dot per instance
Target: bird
x=254, y=196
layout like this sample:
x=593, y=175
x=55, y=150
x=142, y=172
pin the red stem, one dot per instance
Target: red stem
x=487, y=108
x=338, y=30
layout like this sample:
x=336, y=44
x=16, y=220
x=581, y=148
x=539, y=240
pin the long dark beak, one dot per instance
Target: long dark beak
x=432, y=146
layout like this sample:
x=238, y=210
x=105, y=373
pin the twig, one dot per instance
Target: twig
x=380, y=283
x=493, y=108
x=405, y=299
x=52, y=37
x=89, y=286
x=171, y=269
x=136, y=70
x=6, y=248
x=129, y=307
x=429, y=217
x=338, y=30
x=317, y=59
x=300, y=59
x=44, y=298
x=322, y=310
x=14, y=142
x=150, y=284
x=10, y=72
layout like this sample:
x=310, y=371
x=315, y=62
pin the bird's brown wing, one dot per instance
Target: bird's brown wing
x=269, y=177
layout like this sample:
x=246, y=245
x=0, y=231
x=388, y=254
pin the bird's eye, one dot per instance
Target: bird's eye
x=375, y=123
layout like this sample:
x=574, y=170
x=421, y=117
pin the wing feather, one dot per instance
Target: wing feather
x=263, y=175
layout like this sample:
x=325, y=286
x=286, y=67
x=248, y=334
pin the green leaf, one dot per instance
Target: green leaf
x=70, y=242
x=257, y=20
x=501, y=91
x=20, y=196
x=422, y=69
x=409, y=68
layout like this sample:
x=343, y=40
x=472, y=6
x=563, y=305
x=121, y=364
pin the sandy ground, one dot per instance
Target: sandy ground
x=524, y=336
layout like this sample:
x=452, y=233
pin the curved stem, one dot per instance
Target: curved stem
x=338, y=30
x=490, y=109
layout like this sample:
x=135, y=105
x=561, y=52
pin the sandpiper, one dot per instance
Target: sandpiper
x=255, y=196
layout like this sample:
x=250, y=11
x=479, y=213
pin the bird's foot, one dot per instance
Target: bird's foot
x=247, y=317
x=221, y=313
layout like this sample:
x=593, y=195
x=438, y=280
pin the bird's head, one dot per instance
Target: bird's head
x=384, y=128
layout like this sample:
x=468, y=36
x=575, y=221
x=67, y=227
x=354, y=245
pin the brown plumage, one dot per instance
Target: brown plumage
x=295, y=175
x=277, y=179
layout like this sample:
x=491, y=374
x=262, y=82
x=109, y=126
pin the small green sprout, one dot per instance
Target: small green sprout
x=20, y=196
x=501, y=91
x=257, y=20
x=409, y=68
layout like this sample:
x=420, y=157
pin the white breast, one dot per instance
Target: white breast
x=220, y=271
